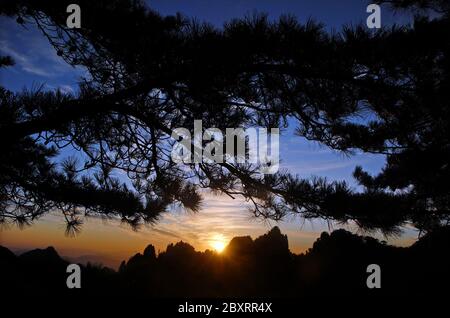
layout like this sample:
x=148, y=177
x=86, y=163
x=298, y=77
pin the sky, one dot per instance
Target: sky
x=220, y=218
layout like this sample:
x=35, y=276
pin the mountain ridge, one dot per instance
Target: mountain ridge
x=261, y=267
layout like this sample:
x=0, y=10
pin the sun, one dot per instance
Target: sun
x=218, y=245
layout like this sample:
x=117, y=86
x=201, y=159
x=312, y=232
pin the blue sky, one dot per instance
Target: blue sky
x=37, y=64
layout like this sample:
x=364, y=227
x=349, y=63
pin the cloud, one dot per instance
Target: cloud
x=23, y=61
x=34, y=55
x=66, y=89
x=316, y=167
x=221, y=216
x=166, y=232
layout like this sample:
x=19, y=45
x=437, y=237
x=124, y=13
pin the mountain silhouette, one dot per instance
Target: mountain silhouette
x=46, y=257
x=264, y=267
x=6, y=255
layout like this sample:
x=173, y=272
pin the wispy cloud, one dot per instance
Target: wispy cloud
x=316, y=167
x=26, y=63
x=166, y=232
x=66, y=89
x=35, y=57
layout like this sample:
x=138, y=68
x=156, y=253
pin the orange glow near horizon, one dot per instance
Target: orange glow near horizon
x=109, y=242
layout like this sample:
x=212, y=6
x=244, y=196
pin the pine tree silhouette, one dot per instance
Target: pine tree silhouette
x=149, y=74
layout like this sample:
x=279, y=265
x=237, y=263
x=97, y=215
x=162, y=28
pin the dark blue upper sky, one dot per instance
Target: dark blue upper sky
x=39, y=62
x=332, y=13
